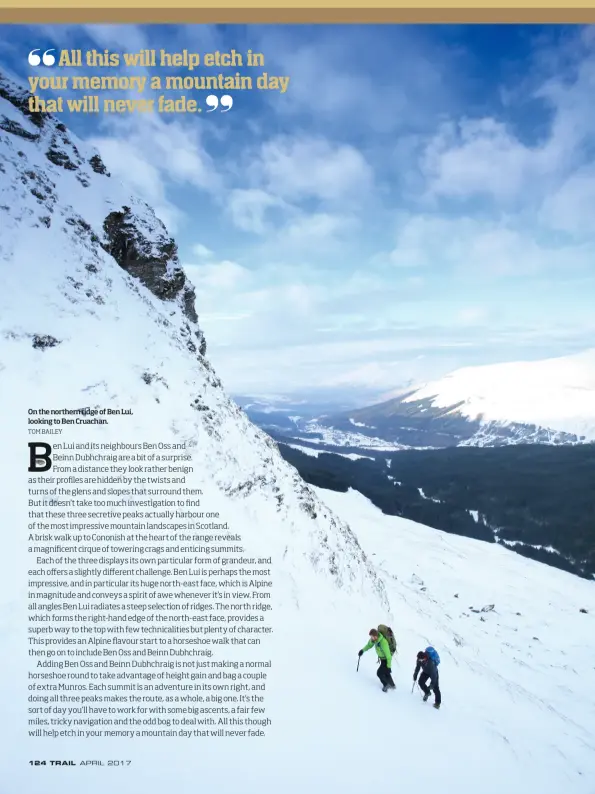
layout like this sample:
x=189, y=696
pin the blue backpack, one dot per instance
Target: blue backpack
x=433, y=654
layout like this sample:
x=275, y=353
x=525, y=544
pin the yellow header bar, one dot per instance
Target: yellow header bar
x=297, y=11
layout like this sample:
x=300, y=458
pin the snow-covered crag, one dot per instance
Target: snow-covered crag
x=96, y=311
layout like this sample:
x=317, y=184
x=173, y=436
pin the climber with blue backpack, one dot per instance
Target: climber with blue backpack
x=427, y=662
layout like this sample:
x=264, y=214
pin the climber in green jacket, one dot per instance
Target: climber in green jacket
x=380, y=643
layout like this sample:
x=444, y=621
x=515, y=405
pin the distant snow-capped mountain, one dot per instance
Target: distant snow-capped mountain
x=555, y=393
x=550, y=401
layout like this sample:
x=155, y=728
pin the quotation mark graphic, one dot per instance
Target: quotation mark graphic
x=35, y=60
x=213, y=102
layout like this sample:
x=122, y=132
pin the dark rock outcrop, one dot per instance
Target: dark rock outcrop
x=153, y=261
x=8, y=125
x=43, y=341
x=98, y=165
x=19, y=97
x=58, y=156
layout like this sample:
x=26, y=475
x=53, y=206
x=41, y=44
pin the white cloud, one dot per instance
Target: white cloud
x=284, y=227
x=499, y=250
x=483, y=247
x=316, y=230
x=570, y=207
x=301, y=196
x=471, y=316
x=477, y=156
x=248, y=208
x=278, y=309
x=218, y=276
x=201, y=251
x=296, y=168
x=301, y=298
x=181, y=154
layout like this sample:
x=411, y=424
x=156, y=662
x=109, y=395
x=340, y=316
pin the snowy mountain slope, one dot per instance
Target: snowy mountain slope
x=96, y=314
x=131, y=330
x=518, y=654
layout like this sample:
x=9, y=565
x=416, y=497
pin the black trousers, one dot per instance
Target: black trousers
x=383, y=674
x=423, y=681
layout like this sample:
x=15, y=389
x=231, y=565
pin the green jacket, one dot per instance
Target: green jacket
x=382, y=649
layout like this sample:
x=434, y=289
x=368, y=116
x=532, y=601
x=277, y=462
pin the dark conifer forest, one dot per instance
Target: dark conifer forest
x=538, y=499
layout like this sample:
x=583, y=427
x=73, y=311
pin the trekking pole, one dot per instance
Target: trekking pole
x=412, y=687
x=359, y=658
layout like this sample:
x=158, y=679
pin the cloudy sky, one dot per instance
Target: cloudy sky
x=421, y=198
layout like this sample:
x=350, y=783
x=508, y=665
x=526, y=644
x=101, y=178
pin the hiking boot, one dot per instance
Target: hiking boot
x=393, y=686
x=436, y=705
x=385, y=688
x=426, y=697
